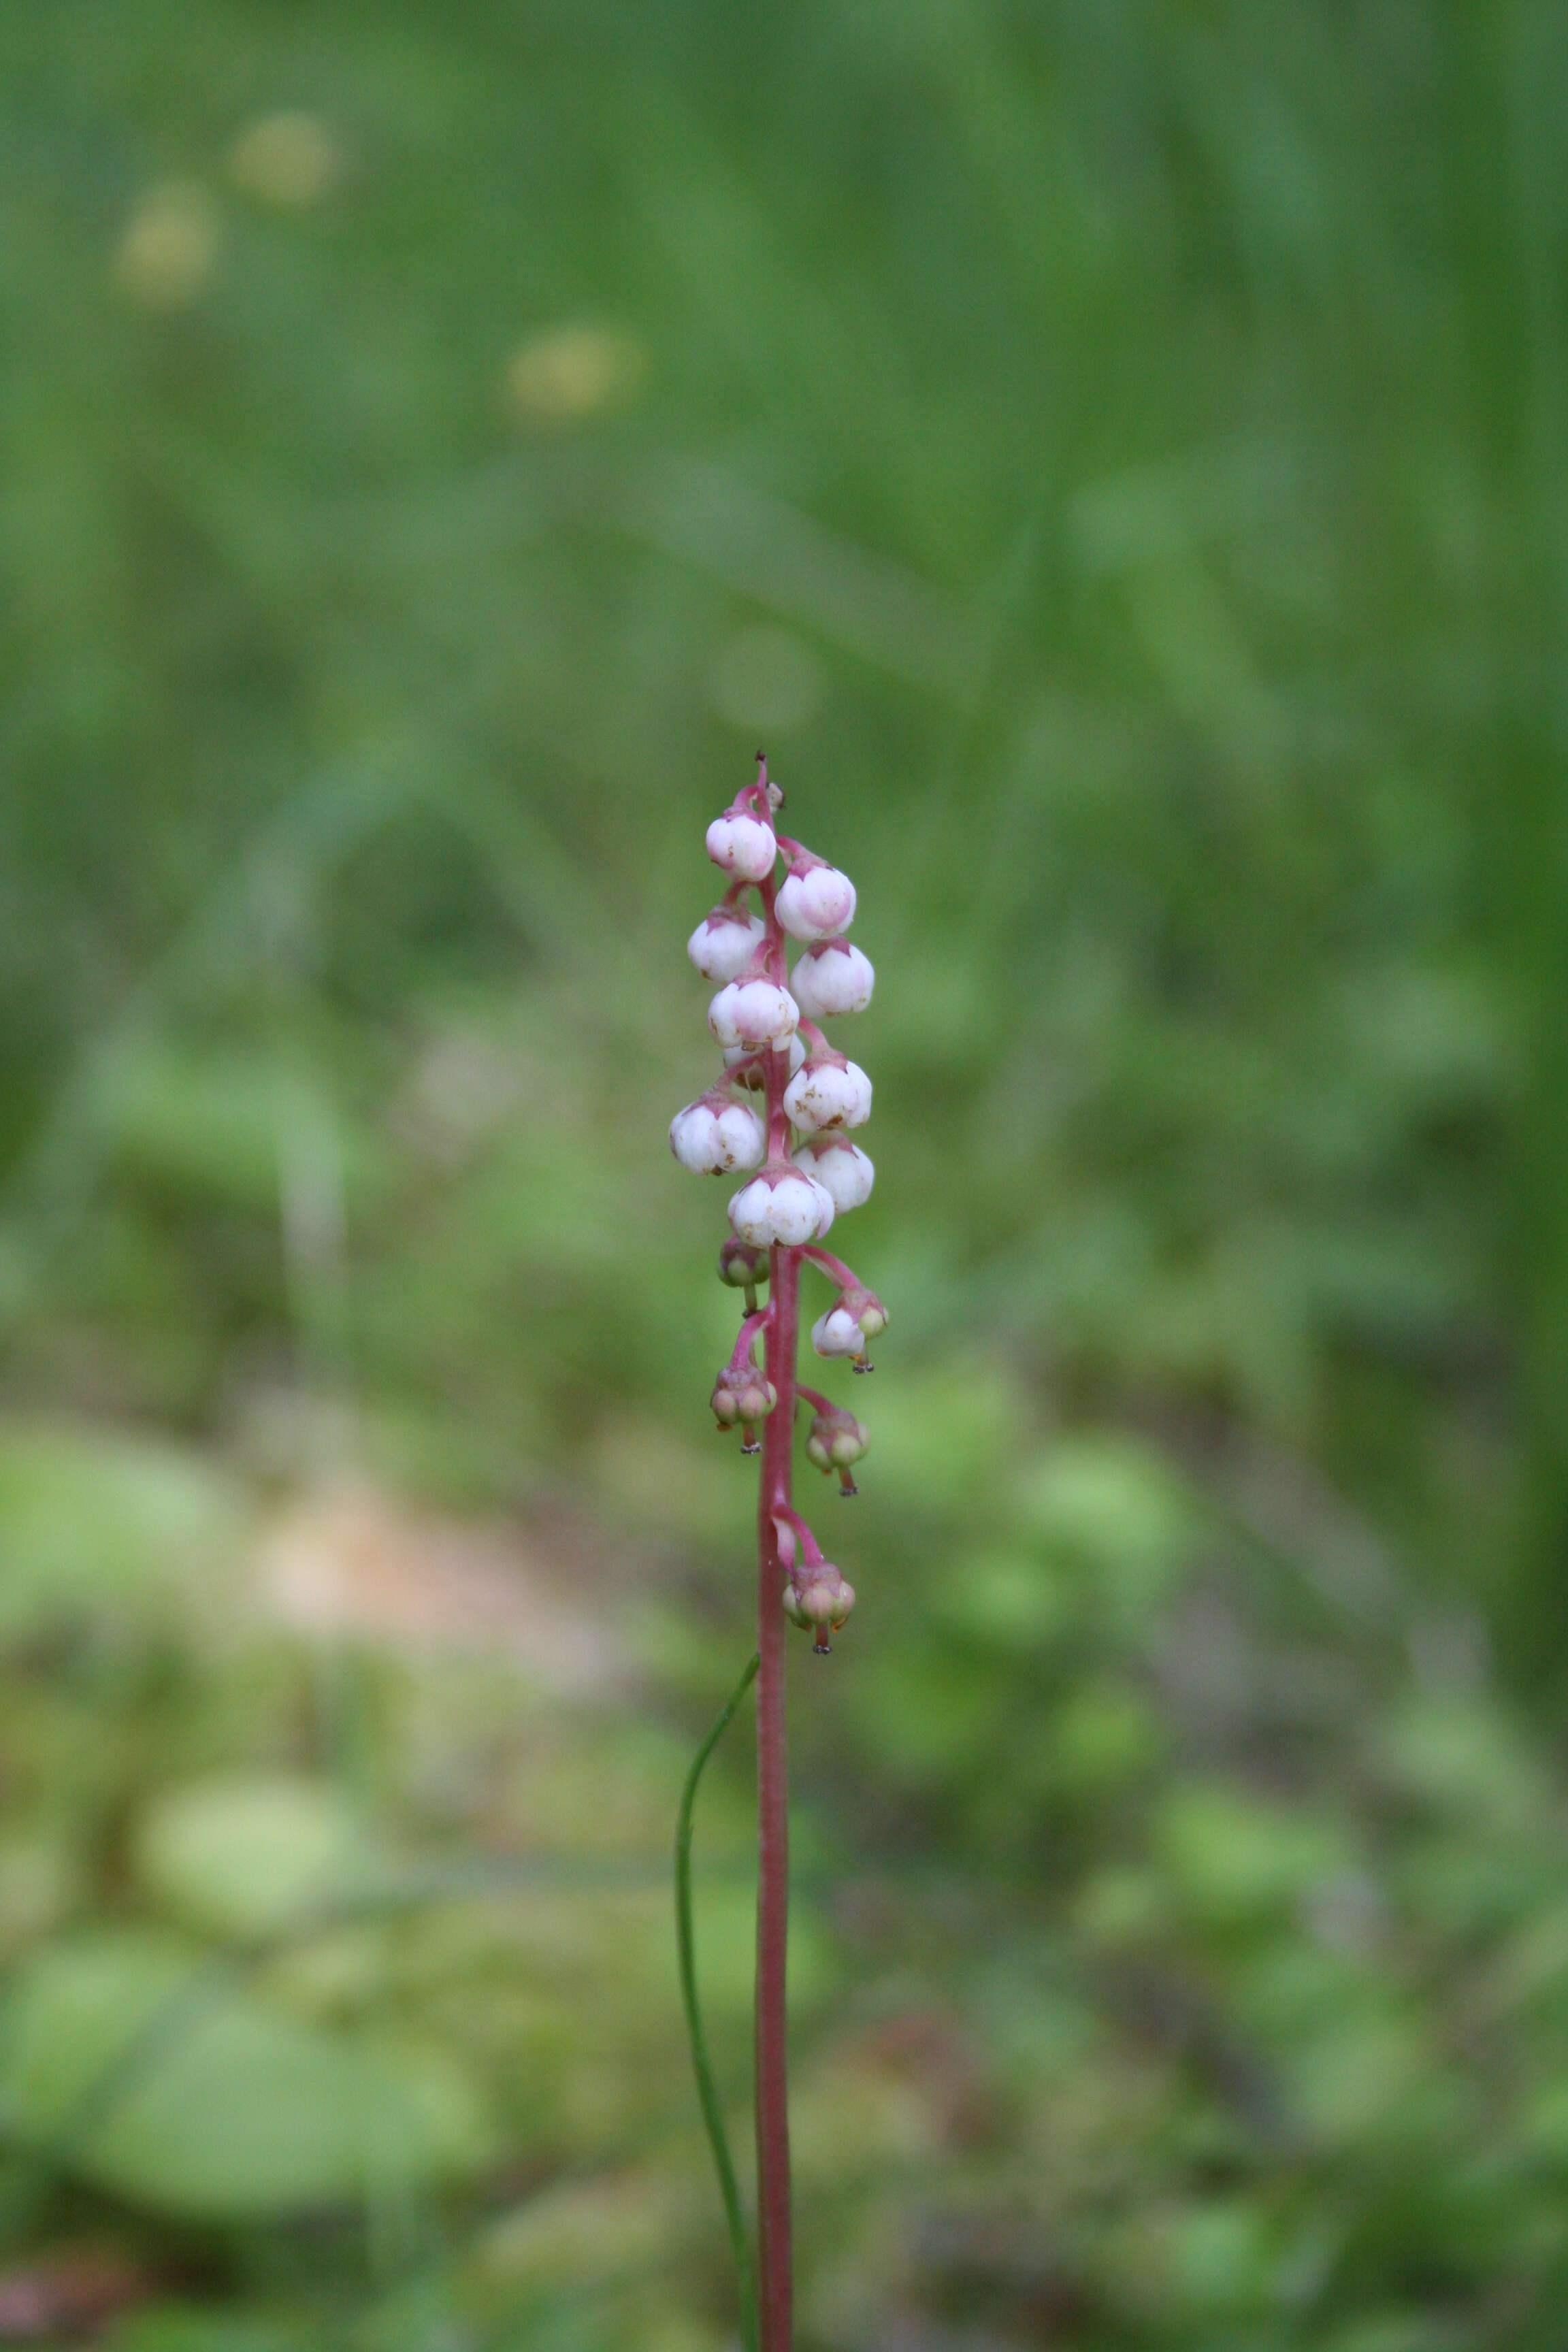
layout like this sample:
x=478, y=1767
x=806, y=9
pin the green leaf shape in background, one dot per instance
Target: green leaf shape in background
x=1240, y=1859
x=242, y=1857
x=1008, y=1600
x=97, y=1523
x=943, y=1435
x=1115, y=1510
x=156, y=2077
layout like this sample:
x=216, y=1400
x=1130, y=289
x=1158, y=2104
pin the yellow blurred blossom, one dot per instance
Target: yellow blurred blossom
x=565, y=373
x=290, y=159
x=169, y=247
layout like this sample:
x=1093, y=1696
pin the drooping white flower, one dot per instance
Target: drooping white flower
x=782, y=1206
x=823, y=1095
x=712, y=1140
x=841, y=1166
x=833, y=977
x=755, y=1077
x=753, y=1012
x=744, y=845
x=817, y=904
x=837, y=1333
x=724, y=943
x=855, y=1315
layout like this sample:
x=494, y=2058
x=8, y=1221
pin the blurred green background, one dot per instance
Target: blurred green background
x=1112, y=456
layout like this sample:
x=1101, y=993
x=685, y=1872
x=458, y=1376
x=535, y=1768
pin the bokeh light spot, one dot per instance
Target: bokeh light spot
x=290, y=159
x=169, y=249
x=565, y=374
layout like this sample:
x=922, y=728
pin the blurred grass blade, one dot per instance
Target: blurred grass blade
x=707, y=2092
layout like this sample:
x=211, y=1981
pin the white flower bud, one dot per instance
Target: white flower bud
x=724, y=943
x=755, y=1079
x=742, y=845
x=833, y=978
x=836, y=1333
x=817, y=904
x=753, y=1012
x=711, y=1141
x=824, y=1095
x=840, y=1166
x=788, y=1207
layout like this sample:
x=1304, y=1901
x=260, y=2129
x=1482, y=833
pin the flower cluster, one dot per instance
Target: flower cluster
x=803, y=1167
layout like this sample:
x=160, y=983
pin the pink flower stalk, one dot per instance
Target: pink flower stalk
x=810, y=1172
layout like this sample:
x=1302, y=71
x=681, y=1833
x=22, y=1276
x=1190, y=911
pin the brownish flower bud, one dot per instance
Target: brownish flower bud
x=836, y=1441
x=741, y=1266
x=818, y=1597
x=742, y=1393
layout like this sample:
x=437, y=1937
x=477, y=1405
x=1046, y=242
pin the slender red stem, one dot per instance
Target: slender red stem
x=775, y=2264
x=814, y=1398
x=776, y=2269
x=842, y=1274
x=810, y=1547
x=741, y=1354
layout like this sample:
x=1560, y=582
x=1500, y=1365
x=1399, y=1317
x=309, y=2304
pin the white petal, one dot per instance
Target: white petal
x=739, y=1140
x=797, y=1211
x=836, y=1333
x=750, y=1213
x=692, y=1137
x=722, y=1015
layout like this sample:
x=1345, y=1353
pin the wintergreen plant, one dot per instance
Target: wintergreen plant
x=807, y=1172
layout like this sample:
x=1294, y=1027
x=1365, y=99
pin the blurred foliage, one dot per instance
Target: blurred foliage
x=1114, y=458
